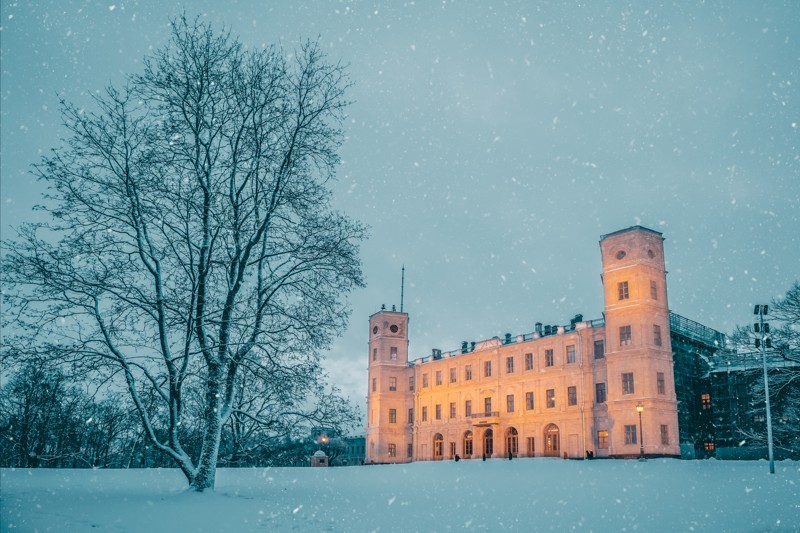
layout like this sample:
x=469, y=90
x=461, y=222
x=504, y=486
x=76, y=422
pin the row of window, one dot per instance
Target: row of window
x=392, y=353
x=624, y=294
x=602, y=441
x=549, y=360
x=628, y=387
x=625, y=337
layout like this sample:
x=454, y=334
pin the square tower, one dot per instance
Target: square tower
x=390, y=396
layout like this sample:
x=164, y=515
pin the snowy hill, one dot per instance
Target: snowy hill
x=496, y=495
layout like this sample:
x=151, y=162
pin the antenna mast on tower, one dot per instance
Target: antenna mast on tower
x=402, y=286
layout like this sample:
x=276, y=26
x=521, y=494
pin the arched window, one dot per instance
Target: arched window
x=438, y=446
x=551, y=440
x=467, y=444
x=488, y=443
x=512, y=441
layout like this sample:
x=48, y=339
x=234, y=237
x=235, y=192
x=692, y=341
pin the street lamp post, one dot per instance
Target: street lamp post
x=763, y=328
x=640, y=409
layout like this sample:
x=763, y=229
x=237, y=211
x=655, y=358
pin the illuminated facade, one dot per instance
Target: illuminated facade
x=561, y=390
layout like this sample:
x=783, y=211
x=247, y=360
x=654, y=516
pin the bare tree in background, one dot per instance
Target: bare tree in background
x=784, y=373
x=191, y=235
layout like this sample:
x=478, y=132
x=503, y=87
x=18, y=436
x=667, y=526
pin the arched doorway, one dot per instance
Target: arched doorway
x=512, y=441
x=551, y=441
x=488, y=442
x=467, y=444
x=438, y=446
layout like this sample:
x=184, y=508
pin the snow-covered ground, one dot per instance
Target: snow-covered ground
x=496, y=495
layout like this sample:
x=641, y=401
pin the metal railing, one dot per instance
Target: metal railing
x=695, y=331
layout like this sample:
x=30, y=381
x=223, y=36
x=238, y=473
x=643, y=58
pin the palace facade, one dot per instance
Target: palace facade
x=601, y=386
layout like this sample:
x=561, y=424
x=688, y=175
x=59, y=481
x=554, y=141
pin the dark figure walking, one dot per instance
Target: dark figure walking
x=510, y=456
x=484, y=456
x=457, y=458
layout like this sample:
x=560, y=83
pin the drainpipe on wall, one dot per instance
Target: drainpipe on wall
x=583, y=393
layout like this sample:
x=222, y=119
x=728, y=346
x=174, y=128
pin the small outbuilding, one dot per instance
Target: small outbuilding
x=319, y=459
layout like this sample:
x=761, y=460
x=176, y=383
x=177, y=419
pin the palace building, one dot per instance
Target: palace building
x=603, y=386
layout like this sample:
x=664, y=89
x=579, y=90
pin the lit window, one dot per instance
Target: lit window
x=656, y=334
x=424, y=413
x=570, y=353
x=392, y=450
x=393, y=353
x=627, y=383
x=468, y=373
x=510, y=403
x=453, y=375
x=468, y=443
x=424, y=381
x=452, y=409
x=438, y=445
x=392, y=384
x=709, y=446
x=487, y=406
x=438, y=411
x=529, y=401
x=551, y=398
x=705, y=401
x=528, y=361
x=393, y=416
x=630, y=434
x=509, y=365
x=548, y=358
x=622, y=290
x=660, y=383
x=572, y=396
x=624, y=335
x=602, y=439
x=599, y=349
x=664, y=434
x=487, y=369
x=468, y=408
x=600, y=393
x=438, y=377
x=653, y=290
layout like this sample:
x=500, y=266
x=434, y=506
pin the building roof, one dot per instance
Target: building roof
x=632, y=228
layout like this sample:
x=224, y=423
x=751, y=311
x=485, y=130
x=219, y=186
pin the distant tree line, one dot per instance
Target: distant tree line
x=50, y=419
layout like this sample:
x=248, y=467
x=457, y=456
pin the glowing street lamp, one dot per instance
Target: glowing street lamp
x=640, y=409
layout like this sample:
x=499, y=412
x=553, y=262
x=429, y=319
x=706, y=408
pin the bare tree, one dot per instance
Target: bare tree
x=784, y=373
x=269, y=411
x=191, y=233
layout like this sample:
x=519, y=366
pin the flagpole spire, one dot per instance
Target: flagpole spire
x=402, y=286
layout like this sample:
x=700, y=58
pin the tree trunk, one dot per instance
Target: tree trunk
x=205, y=475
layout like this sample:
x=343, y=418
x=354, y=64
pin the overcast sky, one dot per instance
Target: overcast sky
x=489, y=146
